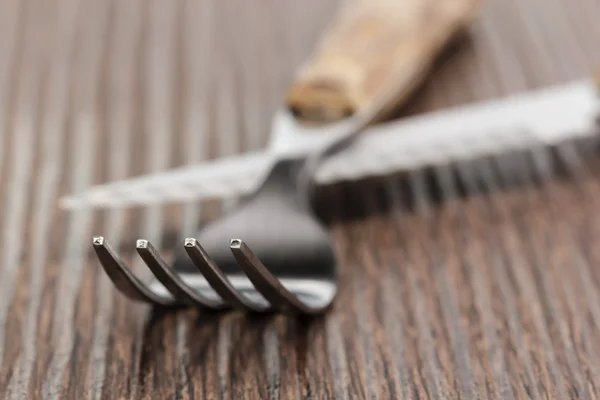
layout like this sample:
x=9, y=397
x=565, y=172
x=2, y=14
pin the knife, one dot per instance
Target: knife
x=371, y=48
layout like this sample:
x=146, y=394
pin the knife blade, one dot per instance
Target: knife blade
x=544, y=116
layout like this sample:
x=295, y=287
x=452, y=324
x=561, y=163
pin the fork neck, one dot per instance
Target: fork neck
x=283, y=179
x=292, y=176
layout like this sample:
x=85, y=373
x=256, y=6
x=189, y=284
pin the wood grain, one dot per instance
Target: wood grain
x=373, y=56
x=466, y=282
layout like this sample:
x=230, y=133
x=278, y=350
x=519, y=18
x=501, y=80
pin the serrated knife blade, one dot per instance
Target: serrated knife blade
x=545, y=116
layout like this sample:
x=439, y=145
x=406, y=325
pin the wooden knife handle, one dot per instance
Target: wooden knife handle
x=374, y=54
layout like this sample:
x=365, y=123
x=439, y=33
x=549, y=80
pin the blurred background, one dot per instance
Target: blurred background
x=96, y=91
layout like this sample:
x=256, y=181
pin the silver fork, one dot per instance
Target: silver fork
x=283, y=233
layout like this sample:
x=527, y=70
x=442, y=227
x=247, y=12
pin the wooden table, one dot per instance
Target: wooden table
x=496, y=298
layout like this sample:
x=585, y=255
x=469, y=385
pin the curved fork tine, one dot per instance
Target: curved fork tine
x=172, y=281
x=122, y=277
x=218, y=280
x=268, y=285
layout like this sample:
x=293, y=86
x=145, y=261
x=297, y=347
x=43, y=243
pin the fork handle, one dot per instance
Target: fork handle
x=373, y=56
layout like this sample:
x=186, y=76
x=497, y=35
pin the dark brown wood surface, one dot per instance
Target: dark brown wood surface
x=496, y=295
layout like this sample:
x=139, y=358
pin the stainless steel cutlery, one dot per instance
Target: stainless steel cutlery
x=271, y=253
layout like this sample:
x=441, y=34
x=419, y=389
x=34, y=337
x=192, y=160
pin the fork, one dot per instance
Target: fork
x=302, y=271
x=280, y=256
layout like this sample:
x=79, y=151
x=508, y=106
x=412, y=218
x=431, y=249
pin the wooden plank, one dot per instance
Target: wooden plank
x=493, y=295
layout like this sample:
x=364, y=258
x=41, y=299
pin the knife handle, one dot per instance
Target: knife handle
x=373, y=55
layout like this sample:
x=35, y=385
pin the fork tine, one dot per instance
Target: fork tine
x=122, y=276
x=172, y=281
x=268, y=285
x=218, y=280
